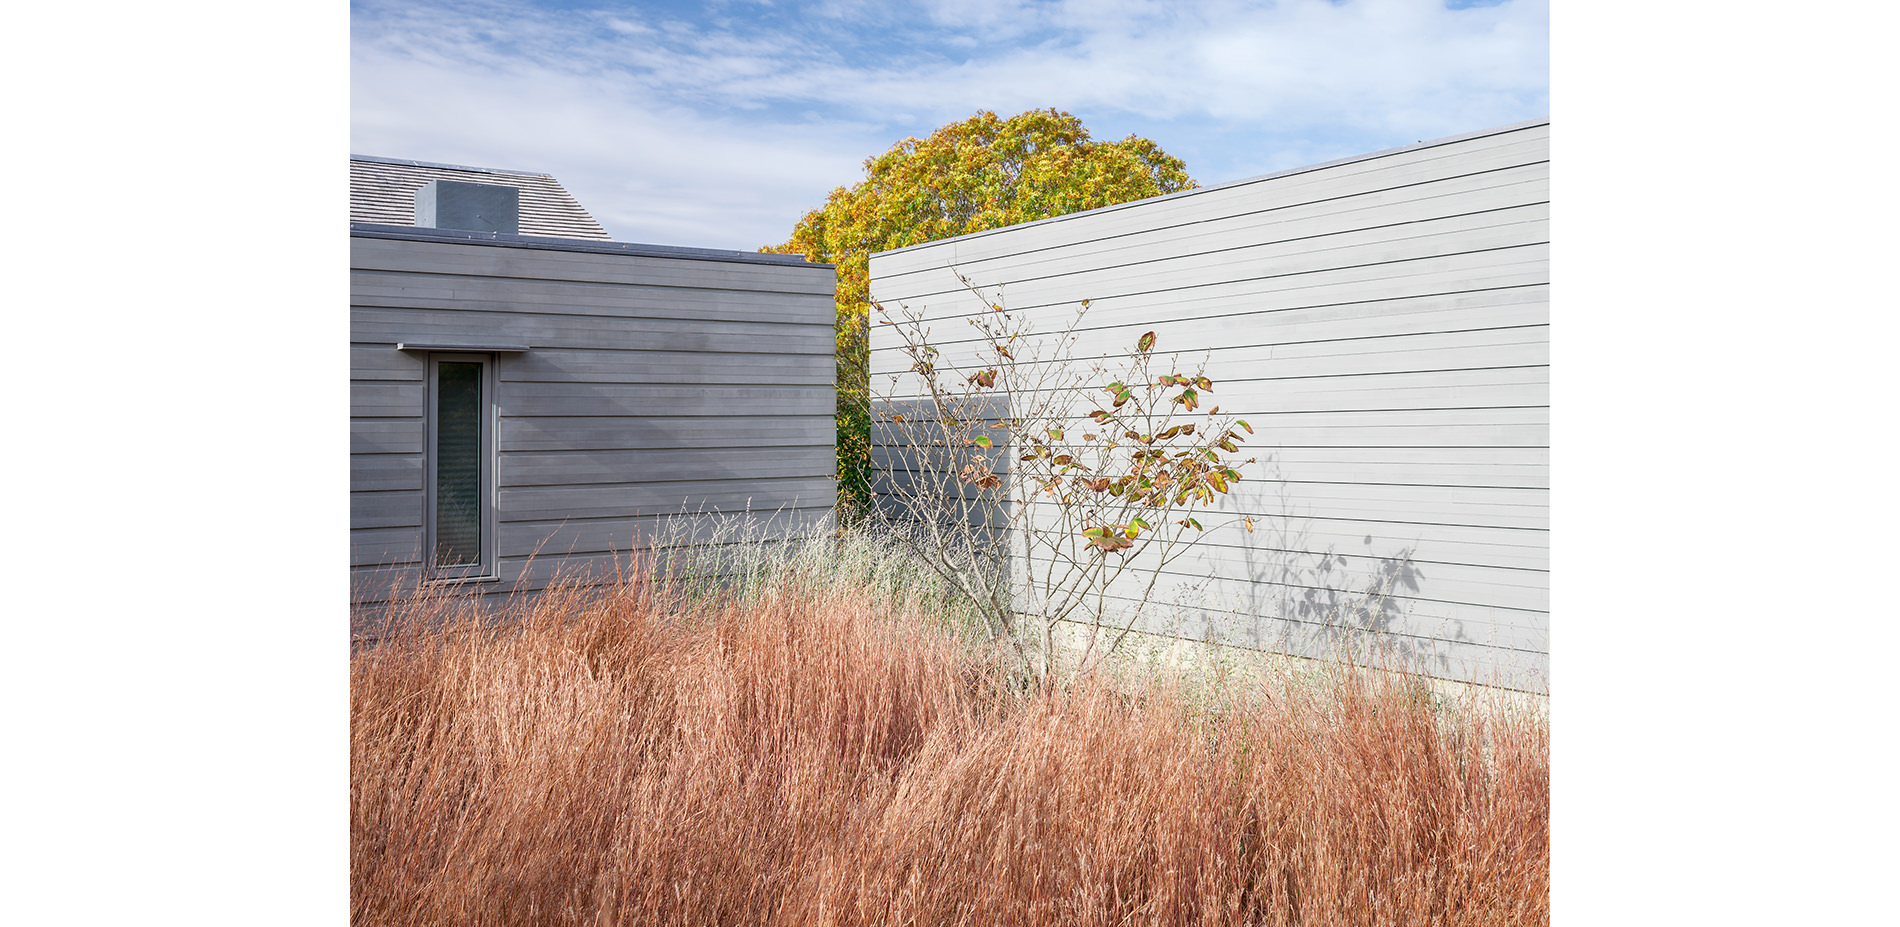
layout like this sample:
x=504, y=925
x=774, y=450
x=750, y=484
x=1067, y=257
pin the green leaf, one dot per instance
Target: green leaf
x=1243, y=423
x=983, y=441
x=1146, y=343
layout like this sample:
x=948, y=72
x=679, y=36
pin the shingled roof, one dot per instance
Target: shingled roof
x=383, y=191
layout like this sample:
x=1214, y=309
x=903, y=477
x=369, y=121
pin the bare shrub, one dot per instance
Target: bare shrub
x=1047, y=487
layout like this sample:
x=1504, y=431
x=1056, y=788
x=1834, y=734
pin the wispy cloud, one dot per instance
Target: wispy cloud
x=720, y=124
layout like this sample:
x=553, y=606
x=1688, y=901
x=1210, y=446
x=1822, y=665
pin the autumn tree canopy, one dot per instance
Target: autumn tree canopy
x=983, y=173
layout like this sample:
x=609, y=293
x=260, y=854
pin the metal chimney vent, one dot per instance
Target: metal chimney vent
x=477, y=207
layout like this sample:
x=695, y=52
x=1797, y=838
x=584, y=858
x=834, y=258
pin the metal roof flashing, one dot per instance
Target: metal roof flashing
x=1386, y=153
x=585, y=245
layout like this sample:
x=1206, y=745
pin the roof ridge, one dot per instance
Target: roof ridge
x=374, y=159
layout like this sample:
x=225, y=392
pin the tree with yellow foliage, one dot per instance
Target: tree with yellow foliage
x=983, y=173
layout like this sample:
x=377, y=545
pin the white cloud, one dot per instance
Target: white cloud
x=722, y=131
x=648, y=171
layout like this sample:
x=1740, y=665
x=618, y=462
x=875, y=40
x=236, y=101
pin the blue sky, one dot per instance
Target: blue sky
x=719, y=124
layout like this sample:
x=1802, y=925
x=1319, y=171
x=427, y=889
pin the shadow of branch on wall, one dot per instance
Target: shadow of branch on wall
x=1306, y=597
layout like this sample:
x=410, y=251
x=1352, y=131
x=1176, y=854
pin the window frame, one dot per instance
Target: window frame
x=487, y=567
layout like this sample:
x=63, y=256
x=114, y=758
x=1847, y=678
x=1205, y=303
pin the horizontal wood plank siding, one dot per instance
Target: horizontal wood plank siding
x=753, y=340
x=652, y=386
x=554, y=433
x=432, y=258
x=403, y=290
x=561, y=538
x=1384, y=325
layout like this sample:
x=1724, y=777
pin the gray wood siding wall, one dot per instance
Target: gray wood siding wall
x=1384, y=323
x=652, y=386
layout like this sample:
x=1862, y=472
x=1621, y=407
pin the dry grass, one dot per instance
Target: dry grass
x=822, y=751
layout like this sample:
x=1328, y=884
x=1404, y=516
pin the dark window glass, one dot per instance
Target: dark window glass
x=458, y=464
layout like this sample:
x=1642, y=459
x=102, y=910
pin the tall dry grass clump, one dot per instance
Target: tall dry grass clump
x=822, y=748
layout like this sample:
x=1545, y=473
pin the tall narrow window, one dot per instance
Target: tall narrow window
x=460, y=477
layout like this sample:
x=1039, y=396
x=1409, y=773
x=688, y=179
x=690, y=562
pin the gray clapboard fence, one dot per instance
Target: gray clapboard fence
x=1383, y=321
x=626, y=383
